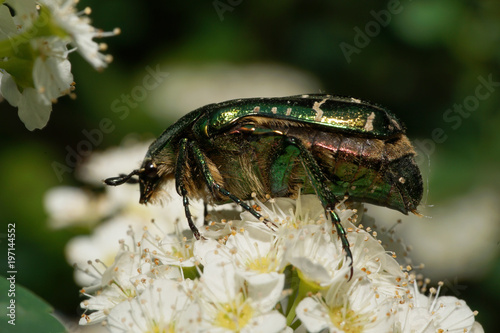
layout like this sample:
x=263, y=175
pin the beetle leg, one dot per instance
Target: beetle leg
x=326, y=196
x=181, y=189
x=214, y=186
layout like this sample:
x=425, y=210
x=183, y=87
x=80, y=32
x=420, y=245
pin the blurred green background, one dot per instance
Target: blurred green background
x=418, y=58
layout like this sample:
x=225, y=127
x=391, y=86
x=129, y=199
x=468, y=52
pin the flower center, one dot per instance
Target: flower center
x=346, y=320
x=182, y=253
x=261, y=265
x=234, y=316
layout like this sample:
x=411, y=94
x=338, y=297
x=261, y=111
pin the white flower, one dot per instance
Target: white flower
x=247, y=245
x=428, y=314
x=26, y=44
x=317, y=254
x=257, y=256
x=228, y=306
x=171, y=249
x=115, y=286
x=102, y=244
x=51, y=76
x=52, y=70
x=68, y=205
x=347, y=307
x=254, y=262
x=78, y=27
x=165, y=306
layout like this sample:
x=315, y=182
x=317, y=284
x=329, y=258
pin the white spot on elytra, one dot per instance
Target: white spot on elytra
x=305, y=96
x=288, y=111
x=319, y=112
x=274, y=110
x=256, y=109
x=402, y=180
x=369, y=122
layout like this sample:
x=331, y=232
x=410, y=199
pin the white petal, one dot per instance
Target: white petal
x=125, y=267
x=66, y=205
x=417, y=320
x=313, y=315
x=103, y=243
x=220, y=280
x=272, y=322
x=117, y=319
x=9, y=90
x=477, y=328
x=32, y=110
x=7, y=25
x=312, y=271
x=300, y=329
x=453, y=314
x=25, y=10
x=264, y=289
x=204, y=248
x=52, y=77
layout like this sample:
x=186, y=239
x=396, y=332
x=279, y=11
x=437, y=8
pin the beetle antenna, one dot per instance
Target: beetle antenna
x=122, y=179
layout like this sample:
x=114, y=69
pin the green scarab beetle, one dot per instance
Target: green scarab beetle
x=326, y=145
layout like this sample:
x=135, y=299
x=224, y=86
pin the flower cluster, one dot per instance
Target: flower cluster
x=34, y=65
x=152, y=276
x=244, y=277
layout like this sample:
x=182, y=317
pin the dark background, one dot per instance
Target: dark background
x=422, y=59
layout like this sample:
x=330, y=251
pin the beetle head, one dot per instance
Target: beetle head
x=148, y=180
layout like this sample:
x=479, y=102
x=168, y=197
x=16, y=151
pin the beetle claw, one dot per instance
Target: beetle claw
x=270, y=225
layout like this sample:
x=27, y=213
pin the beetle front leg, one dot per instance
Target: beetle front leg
x=214, y=186
x=327, y=198
x=181, y=188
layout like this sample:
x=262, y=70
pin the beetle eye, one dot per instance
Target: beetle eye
x=150, y=170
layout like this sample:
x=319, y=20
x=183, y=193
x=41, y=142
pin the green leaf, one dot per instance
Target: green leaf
x=27, y=311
